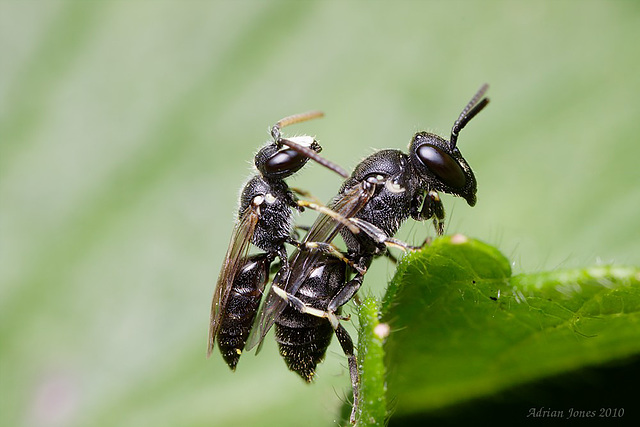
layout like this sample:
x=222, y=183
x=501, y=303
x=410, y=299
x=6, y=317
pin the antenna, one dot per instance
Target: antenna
x=473, y=107
x=305, y=151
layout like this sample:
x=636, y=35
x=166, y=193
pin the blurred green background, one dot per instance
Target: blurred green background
x=127, y=129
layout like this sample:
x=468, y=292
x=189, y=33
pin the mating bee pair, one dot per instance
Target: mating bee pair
x=312, y=285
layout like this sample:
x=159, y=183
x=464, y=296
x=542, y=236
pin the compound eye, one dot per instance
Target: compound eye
x=442, y=165
x=287, y=161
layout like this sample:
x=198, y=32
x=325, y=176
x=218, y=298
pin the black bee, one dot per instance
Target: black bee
x=383, y=191
x=264, y=220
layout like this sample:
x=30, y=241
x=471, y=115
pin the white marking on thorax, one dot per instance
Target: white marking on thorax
x=249, y=266
x=378, y=179
x=258, y=200
x=269, y=198
x=394, y=187
x=317, y=272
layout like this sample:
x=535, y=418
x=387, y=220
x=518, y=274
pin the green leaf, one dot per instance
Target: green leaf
x=462, y=327
x=373, y=407
x=127, y=129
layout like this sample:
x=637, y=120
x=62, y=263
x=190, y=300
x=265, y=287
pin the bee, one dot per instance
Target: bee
x=264, y=220
x=384, y=190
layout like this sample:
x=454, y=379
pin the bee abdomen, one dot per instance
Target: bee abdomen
x=236, y=326
x=241, y=308
x=303, y=340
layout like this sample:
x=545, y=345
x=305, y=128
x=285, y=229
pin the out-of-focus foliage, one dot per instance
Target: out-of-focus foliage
x=127, y=128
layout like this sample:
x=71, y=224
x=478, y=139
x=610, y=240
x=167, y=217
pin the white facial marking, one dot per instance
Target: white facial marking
x=304, y=140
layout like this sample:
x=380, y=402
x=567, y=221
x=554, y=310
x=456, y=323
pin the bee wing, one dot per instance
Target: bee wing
x=324, y=229
x=233, y=261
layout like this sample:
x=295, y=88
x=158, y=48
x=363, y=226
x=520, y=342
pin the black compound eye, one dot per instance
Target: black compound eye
x=287, y=161
x=442, y=165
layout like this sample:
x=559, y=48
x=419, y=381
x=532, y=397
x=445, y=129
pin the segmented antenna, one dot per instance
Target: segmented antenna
x=305, y=151
x=473, y=107
x=291, y=120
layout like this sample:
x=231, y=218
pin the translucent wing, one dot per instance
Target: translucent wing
x=233, y=261
x=324, y=229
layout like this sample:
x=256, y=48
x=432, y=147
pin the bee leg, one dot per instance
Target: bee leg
x=347, y=347
x=295, y=235
x=341, y=333
x=326, y=248
x=391, y=257
x=327, y=211
x=299, y=305
x=433, y=208
x=345, y=294
x=332, y=250
x=306, y=194
x=380, y=237
x=281, y=254
x=302, y=227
